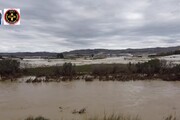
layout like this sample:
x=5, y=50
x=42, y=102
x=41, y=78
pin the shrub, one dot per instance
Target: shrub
x=170, y=118
x=150, y=67
x=68, y=69
x=176, y=69
x=101, y=70
x=9, y=67
x=60, y=55
x=106, y=69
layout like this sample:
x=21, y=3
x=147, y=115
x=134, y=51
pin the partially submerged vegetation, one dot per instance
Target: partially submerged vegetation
x=110, y=117
x=9, y=67
x=153, y=69
x=115, y=117
x=36, y=118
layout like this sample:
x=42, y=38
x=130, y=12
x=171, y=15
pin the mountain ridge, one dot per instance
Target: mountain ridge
x=155, y=50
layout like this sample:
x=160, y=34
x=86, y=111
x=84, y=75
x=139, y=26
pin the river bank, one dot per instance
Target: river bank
x=87, y=78
x=153, y=69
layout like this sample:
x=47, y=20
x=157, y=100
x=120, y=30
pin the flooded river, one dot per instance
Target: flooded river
x=152, y=100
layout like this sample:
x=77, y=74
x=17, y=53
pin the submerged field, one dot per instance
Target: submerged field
x=28, y=63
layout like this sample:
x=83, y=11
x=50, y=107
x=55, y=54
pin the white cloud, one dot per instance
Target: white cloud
x=49, y=25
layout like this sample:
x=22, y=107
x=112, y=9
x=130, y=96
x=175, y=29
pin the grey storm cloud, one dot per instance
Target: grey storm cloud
x=61, y=25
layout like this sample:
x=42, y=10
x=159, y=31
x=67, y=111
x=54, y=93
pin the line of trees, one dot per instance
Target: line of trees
x=150, y=68
x=176, y=52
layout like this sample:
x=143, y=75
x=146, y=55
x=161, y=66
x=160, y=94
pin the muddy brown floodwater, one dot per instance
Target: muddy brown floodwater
x=148, y=99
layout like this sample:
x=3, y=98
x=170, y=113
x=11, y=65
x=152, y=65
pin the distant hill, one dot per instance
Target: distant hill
x=22, y=54
x=156, y=50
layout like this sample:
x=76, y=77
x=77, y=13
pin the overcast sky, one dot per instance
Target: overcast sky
x=61, y=25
